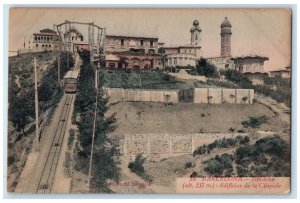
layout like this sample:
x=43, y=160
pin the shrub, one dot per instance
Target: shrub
x=216, y=166
x=206, y=69
x=188, y=164
x=242, y=172
x=245, y=141
x=138, y=168
x=194, y=174
x=269, y=156
x=71, y=138
x=254, y=122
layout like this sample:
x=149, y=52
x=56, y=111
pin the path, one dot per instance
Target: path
x=280, y=109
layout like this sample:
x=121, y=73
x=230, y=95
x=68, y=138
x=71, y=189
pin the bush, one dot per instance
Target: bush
x=216, y=166
x=221, y=143
x=206, y=69
x=188, y=164
x=269, y=156
x=254, y=122
x=242, y=172
x=245, y=141
x=138, y=168
x=71, y=138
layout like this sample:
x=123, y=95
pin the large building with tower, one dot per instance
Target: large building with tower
x=224, y=61
x=184, y=55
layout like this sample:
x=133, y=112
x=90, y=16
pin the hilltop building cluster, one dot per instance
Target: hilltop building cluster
x=146, y=52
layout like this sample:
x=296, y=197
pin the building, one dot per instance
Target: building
x=132, y=52
x=224, y=61
x=75, y=40
x=250, y=64
x=119, y=43
x=184, y=55
x=45, y=40
x=284, y=73
x=180, y=59
x=221, y=63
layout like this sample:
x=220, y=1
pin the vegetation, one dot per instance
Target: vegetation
x=21, y=99
x=105, y=163
x=138, y=168
x=219, y=166
x=144, y=80
x=71, y=138
x=254, y=122
x=221, y=143
x=269, y=156
x=277, y=88
x=206, y=69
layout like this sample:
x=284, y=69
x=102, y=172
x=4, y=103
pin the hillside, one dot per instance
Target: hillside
x=146, y=80
x=21, y=110
x=147, y=117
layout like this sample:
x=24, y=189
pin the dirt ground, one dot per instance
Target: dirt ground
x=147, y=117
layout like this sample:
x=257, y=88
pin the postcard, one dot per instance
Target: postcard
x=149, y=101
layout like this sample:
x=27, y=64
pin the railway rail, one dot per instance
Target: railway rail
x=48, y=174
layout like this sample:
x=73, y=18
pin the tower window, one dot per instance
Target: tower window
x=122, y=42
x=142, y=42
x=196, y=37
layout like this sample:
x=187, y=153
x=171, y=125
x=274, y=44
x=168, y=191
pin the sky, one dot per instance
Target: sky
x=254, y=31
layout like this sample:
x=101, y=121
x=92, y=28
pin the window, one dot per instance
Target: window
x=36, y=45
x=151, y=43
x=122, y=42
x=142, y=42
x=72, y=38
x=196, y=37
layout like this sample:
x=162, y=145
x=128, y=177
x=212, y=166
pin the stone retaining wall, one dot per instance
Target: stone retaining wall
x=193, y=95
x=159, y=146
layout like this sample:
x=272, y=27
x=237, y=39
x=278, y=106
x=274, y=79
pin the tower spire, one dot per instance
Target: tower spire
x=226, y=38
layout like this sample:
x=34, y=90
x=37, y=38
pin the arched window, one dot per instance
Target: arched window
x=196, y=37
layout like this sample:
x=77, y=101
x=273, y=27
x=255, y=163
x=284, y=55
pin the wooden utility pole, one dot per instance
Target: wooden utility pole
x=36, y=106
x=58, y=70
x=94, y=128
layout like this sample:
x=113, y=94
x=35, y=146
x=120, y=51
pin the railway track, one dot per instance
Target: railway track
x=47, y=178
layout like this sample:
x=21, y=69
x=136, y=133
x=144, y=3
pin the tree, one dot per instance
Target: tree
x=206, y=69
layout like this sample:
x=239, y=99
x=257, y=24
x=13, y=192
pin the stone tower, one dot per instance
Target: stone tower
x=226, y=38
x=195, y=33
